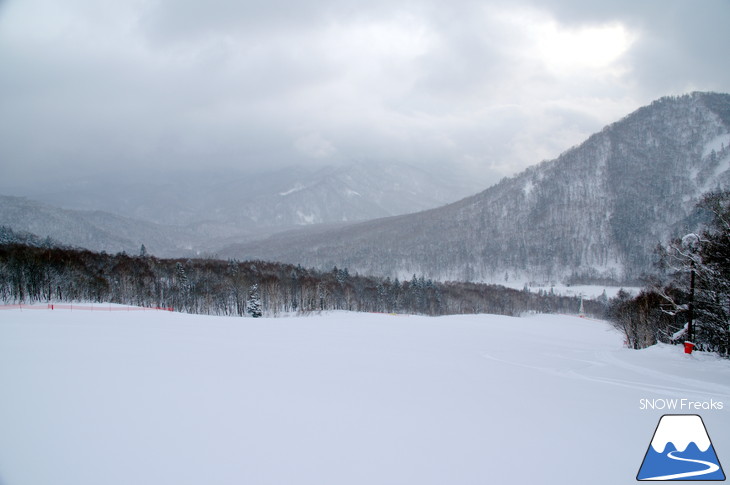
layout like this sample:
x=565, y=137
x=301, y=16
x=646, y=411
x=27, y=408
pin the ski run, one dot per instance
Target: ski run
x=118, y=398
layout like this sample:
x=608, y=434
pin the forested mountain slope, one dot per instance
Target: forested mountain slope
x=595, y=212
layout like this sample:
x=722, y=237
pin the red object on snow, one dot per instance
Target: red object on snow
x=688, y=347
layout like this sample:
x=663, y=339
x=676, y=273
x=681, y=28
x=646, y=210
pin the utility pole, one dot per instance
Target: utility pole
x=690, y=243
x=690, y=323
x=581, y=312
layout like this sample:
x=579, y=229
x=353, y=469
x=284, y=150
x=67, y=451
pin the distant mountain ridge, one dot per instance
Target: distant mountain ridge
x=181, y=214
x=96, y=230
x=281, y=198
x=8, y=236
x=594, y=213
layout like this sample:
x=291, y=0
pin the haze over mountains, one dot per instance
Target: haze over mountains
x=186, y=213
x=594, y=213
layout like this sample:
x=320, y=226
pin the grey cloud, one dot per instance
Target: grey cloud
x=180, y=20
x=172, y=84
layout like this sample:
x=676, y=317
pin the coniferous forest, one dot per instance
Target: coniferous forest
x=691, y=302
x=31, y=273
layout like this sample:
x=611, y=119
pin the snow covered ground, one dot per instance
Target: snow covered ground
x=591, y=292
x=90, y=398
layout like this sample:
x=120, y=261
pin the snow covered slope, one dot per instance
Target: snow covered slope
x=341, y=398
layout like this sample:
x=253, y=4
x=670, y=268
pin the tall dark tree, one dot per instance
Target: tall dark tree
x=253, y=305
x=700, y=266
x=712, y=293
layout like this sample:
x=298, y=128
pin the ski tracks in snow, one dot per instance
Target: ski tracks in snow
x=607, y=367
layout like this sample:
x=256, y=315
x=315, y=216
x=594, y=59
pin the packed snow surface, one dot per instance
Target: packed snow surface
x=120, y=398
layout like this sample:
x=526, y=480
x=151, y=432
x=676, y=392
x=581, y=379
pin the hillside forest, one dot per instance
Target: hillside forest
x=32, y=270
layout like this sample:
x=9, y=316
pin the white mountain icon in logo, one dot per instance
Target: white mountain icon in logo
x=681, y=450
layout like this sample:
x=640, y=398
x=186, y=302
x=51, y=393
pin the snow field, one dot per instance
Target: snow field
x=339, y=398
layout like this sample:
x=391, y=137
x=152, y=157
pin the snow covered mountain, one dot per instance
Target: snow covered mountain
x=283, y=198
x=190, y=212
x=97, y=230
x=596, y=212
x=355, y=192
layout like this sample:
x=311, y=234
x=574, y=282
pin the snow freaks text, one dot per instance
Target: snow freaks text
x=680, y=405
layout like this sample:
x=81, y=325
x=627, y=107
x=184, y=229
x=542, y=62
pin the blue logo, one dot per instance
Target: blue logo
x=681, y=450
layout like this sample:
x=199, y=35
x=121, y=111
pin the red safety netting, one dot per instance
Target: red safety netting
x=80, y=307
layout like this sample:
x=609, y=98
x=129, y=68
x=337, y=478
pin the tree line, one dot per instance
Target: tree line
x=40, y=273
x=689, y=300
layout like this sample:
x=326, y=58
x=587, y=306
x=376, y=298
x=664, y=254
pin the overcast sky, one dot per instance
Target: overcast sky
x=487, y=87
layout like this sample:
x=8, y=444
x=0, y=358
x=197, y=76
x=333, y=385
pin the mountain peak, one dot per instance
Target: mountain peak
x=594, y=214
x=680, y=430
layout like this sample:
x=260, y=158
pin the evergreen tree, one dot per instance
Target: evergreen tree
x=712, y=294
x=182, y=287
x=253, y=305
x=700, y=291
